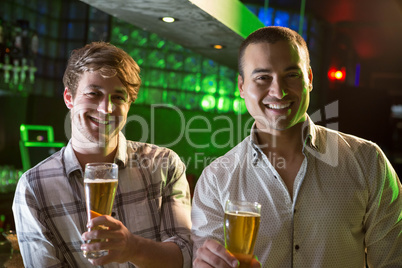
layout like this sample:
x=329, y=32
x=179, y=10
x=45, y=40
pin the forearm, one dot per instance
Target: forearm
x=149, y=253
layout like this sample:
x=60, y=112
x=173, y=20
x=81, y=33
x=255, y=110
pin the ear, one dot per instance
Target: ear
x=310, y=78
x=68, y=98
x=240, y=84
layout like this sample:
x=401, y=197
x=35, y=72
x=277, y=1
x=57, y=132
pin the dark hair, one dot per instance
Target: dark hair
x=106, y=59
x=272, y=34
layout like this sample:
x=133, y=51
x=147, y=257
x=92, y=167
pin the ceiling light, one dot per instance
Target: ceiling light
x=168, y=19
x=218, y=46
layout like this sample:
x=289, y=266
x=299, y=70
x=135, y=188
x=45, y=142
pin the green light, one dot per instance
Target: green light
x=174, y=61
x=142, y=95
x=25, y=128
x=139, y=55
x=226, y=86
x=191, y=82
x=155, y=96
x=25, y=143
x=223, y=104
x=138, y=37
x=208, y=102
x=192, y=101
x=239, y=106
x=209, y=84
x=192, y=63
x=209, y=66
x=123, y=39
x=156, y=78
x=43, y=144
x=157, y=59
x=156, y=41
x=173, y=80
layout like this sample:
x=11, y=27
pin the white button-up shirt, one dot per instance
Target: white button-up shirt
x=346, y=201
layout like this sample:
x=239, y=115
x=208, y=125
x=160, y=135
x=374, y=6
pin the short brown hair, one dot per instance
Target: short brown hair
x=272, y=34
x=107, y=59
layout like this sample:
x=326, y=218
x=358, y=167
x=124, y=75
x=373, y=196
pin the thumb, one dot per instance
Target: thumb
x=255, y=263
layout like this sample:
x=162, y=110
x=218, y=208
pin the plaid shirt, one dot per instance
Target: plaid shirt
x=152, y=201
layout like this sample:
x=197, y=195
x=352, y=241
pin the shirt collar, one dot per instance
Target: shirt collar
x=309, y=136
x=257, y=152
x=72, y=165
x=253, y=135
x=121, y=157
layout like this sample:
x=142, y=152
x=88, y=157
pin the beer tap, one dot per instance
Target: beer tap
x=7, y=67
x=32, y=70
x=24, y=68
x=16, y=70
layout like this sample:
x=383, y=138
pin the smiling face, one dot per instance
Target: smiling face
x=98, y=110
x=276, y=85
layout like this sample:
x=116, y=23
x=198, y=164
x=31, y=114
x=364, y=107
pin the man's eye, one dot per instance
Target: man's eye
x=294, y=75
x=92, y=94
x=119, y=98
x=261, y=78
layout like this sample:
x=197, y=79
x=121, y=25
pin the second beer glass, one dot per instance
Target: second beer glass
x=100, y=182
x=241, y=223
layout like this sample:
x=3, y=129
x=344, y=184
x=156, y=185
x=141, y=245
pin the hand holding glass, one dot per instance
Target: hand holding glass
x=100, y=182
x=241, y=223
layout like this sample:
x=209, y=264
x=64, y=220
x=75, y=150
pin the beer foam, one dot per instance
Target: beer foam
x=86, y=180
x=243, y=213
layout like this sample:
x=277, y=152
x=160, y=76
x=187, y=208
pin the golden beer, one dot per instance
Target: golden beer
x=100, y=185
x=240, y=229
x=99, y=194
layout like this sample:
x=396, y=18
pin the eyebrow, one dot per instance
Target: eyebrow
x=118, y=90
x=265, y=70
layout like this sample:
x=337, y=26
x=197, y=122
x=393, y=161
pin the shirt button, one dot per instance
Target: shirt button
x=297, y=247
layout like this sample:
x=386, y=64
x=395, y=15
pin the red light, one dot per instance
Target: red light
x=337, y=74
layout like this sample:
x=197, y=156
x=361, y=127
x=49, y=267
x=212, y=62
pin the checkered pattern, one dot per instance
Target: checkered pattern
x=347, y=199
x=152, y=201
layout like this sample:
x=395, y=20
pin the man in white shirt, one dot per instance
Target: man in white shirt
x=328, y=199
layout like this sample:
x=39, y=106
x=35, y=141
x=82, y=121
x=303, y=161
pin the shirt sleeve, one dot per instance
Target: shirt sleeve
x=383, y=221
x=34, y=239
x=176, y=209
x=207, y=212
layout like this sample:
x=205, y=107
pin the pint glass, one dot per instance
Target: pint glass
x=100, y=182
x=241, y=223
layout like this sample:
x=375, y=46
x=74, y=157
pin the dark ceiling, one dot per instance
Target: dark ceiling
x=374, y=27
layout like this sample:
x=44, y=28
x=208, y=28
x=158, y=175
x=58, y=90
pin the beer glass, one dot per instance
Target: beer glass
x=241, y=223
x=100, y=182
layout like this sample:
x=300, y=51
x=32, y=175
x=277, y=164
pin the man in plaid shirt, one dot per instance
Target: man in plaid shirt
x=150, y=223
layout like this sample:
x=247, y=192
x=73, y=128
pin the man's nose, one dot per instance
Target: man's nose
x=277, y=89
x=106, y=105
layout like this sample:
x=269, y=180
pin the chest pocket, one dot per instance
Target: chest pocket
x=144, y=218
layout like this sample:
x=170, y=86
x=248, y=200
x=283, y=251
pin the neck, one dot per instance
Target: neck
x=285, y=143
x=92, y=152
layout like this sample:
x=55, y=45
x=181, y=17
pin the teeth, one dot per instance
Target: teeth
x=278, y=106
x=100, y=121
